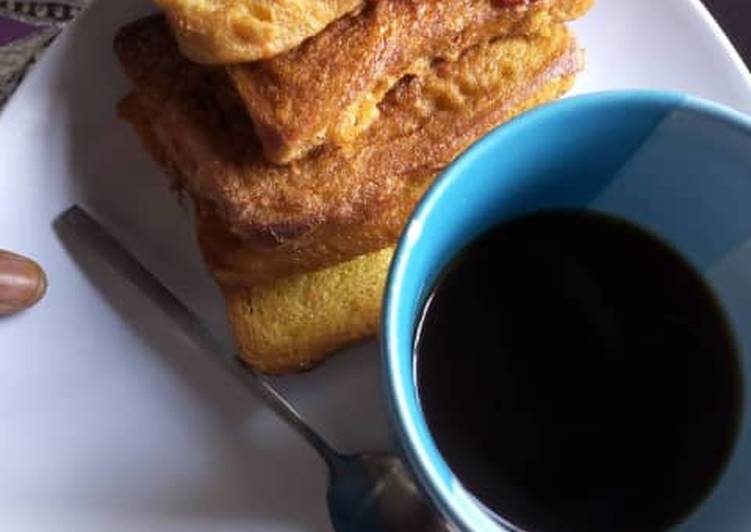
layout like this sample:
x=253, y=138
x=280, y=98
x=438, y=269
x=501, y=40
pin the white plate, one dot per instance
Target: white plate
x=109, y=420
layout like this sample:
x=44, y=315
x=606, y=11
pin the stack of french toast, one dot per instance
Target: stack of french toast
x=305, y=132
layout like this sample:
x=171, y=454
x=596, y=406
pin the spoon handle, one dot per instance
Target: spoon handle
x=75, y=224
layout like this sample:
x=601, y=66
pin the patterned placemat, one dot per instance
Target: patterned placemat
x=26, y=28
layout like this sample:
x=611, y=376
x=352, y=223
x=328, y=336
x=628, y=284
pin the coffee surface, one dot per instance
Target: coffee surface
x=577, y=374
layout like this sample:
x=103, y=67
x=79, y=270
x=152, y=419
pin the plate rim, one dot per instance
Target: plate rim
x=721, y=36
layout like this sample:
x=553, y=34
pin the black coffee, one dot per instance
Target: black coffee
x=577, y=374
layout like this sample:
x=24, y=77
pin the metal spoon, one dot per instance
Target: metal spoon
x=368, y=492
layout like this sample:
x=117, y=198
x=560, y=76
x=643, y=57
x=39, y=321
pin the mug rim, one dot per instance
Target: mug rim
x=421, y=451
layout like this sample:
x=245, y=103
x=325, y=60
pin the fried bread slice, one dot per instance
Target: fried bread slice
x=230, y=31
x=327, y=90
x=295, y=323
x=235, y=263
x=295, y=298
x=197, y=128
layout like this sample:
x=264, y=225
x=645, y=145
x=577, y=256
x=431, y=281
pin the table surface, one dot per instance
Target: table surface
x=735, y=18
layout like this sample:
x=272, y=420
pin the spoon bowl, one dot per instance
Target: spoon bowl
x=373, y=492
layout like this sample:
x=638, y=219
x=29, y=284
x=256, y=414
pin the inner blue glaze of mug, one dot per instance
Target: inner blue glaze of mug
x=675, y=164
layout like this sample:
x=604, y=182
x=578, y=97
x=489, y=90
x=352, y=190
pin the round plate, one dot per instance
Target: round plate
x=109, y=419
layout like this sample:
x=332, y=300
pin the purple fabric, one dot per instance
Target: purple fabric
x=11, y=30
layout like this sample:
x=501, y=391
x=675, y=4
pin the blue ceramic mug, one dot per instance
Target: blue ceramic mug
x=674, y=164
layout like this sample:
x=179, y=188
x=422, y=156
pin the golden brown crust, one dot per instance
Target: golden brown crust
x=234, y=263
x=327, y=90
x=231, y=31
x=202, y=130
